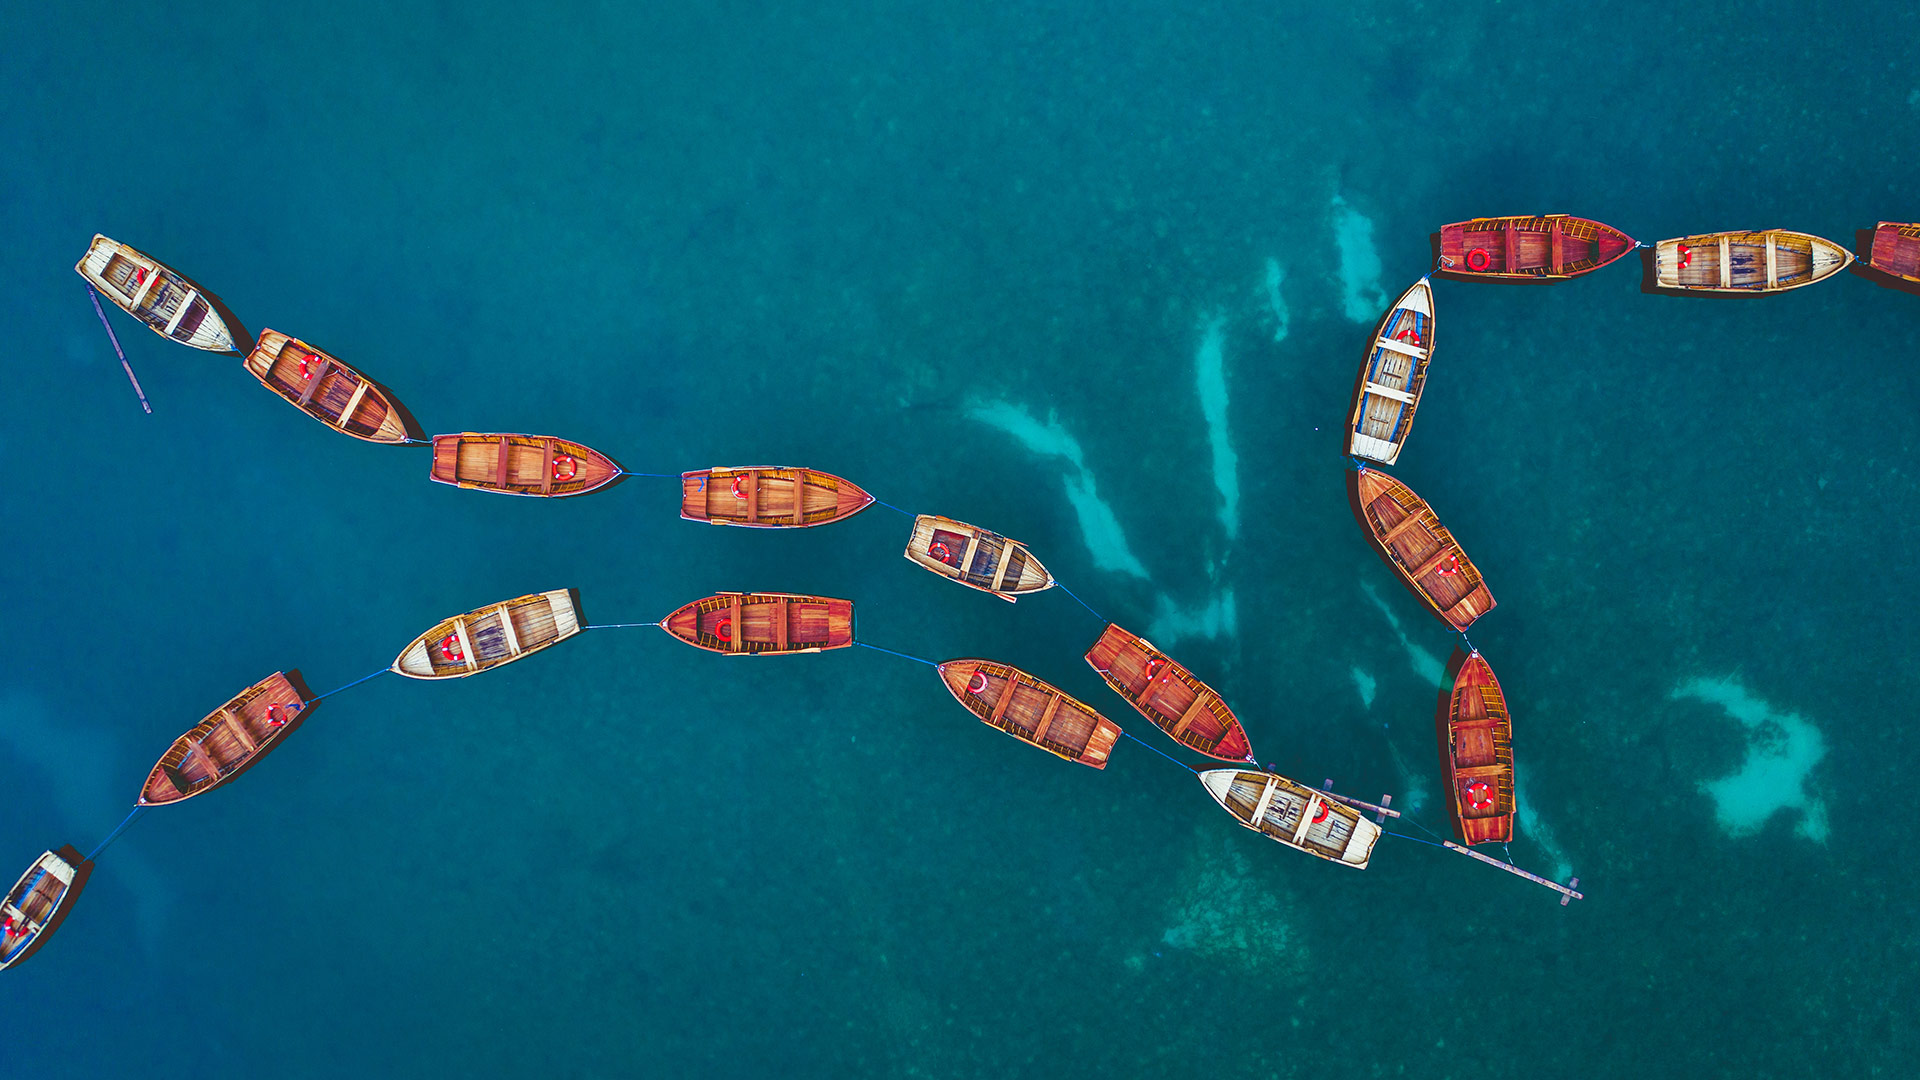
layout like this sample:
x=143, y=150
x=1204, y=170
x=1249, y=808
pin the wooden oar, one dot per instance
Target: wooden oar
x=1567, y=891
x=116, y=350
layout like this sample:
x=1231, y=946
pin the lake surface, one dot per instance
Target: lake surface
x=1094, y=276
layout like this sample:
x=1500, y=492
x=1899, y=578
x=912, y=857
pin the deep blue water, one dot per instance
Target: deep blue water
x=835, y=236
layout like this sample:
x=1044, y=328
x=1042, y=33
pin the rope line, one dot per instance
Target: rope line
x=1415, y=839
x=115, y=338
x=904, y=656
x=893, y=508
x=617, y=625
x=349, y=686
x=1077, y=600
x=663, y=475
x=1159, y=751
x=115, y=834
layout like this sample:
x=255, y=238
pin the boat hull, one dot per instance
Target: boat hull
x=231, y=740
x=1476, y=752
x=1004, y=697
x=769, y=497
x=1896, y=250
x=1746, y=263
x=761, y=624
x=167, y=301
x=1165, y=692
x=976, y=558
x=1529, y=247
x=537, y=466
x=1293, y=814
x=1406, y=533
x=490, y=637
x=321, y=386
x=1391, y=379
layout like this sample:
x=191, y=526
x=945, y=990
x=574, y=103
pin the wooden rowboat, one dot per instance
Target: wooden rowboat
x=324, y=388
x=156, y=294
x=754, y=624
x=228, y=741
x=1294, y=814
x=1476, y=752
x=488, y=637
x=540, y=466
x=1391, y=378
x=1769, y=261
x=1404, y=530
x=1169, y=695
x=1896, y=250
x=769, y=497
x=1528, y=247
x=39, y=902
x=976, y=558
x=1005, y=697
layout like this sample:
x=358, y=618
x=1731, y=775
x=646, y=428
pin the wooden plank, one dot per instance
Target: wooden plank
x=153, y=279
x=346, y=414
x=1566, y=892
x=753, y=497
x=1265, y=800
x=780, y=628
x=1192, y=713
x=1400, y=347
x=1007, y=548
x=239, y=730
x=466, y=647
x=1389, y=392
x=1726, y=263
x=1511, y=240
x=1559, y=247
x=546, y=469
x=1006, y=699
x=800, y=498
x=1046, y=718
x=1445, y=551
x=966, y=558
x=1306, y=817
x=1408, y=522
x=313, y=384
x=737, y=637
x=500, y=466
x=506, y=627
x=1773, y=262
x=181, y=311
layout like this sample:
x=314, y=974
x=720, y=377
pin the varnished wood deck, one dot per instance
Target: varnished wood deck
x=1165, y=692
x=488, y=637
x=1392, y=377
x=1896, y=250
x=756, y=624
x=324, y=388
x=1407, y=534
x=228, y=741
x=39, y=902
x=156, y=294
x=1543, y=247
x=540, y=466
x=976, y=558
x=1768, y=261
x=1286, y=811
x=1476, y=753
x=769, y=497
x=1030, y=710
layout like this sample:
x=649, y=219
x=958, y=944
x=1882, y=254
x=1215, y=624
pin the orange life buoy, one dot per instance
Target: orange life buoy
x=1478, y=259
x=451, y=650
x=740, y=486
x=306, y=371
x=940, y=551
x=286, y=714
x=1409, y=333
x=1154, y=664
x=139, y=275
x=978, y=683
x=573, y=468
x=1479, y=795
x=724, y=630
x=1325, y=809
x=1452, y=567
x=1686, y=256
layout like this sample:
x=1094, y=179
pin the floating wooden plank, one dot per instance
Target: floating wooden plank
x=1567, y=892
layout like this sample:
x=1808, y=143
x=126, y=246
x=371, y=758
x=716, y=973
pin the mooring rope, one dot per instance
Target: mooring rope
x=903, y=656
x=619, y=625
x=115, y=834
x=1159, y=751
x=1077, y=600
x=662, y=475
x=1415, y=839
x=115, y=338
x=349, y=686
x=894, y=508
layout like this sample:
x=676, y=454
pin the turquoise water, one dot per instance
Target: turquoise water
x=1042, y=267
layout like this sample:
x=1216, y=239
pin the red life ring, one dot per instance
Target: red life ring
x=940, y=551
x=1478, y=259
x=139, y=275
x=1686, y=256
x=450, y=649
x=978, y=683
x=724, y=630
x=1452, y=567
x=305, y=362
x=573, y=468
x=1325, y=809
x=1154, y=664
x=1479, y=795
x=740, y=486
x=279, y=721
x=1409, y=332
